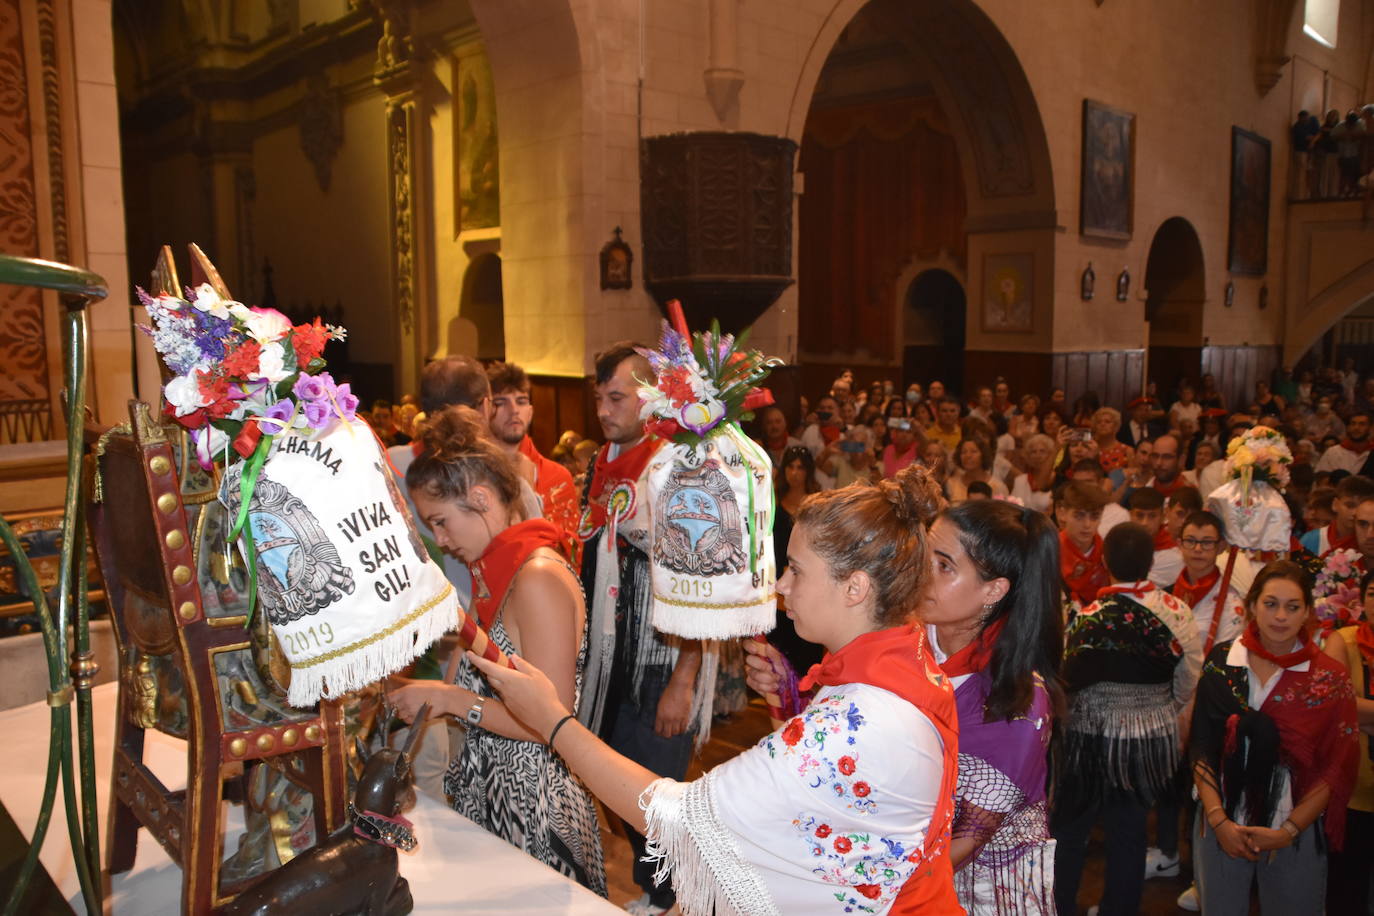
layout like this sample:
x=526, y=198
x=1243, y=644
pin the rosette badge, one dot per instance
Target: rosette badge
x=710, y=493
x=333, y=555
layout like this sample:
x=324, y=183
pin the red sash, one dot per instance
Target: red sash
x=976, y=655
x=1190, y=593
x=1083, y=573
x=1305, y=652
x=608, y=474
x=1359, y=448
x=496, y=567
x=898, y=660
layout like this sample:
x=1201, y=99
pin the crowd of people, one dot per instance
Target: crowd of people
x=1005, y=621
x=1333, y=154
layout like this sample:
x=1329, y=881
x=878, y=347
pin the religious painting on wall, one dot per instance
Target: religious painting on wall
x=1008, y=293
x=1106, y=198
x=1247, y=250
x=476, y=164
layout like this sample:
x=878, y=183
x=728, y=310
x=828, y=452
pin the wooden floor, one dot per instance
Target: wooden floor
x=743, y=731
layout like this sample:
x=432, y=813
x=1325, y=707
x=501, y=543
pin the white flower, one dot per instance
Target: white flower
x=207, y=300
x=272, y=364
x=170, y=303
x=266, y=325
x=183, y=393
x=209, y=443
x=337, y=331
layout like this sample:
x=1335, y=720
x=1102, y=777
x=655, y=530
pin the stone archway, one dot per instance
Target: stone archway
x=1176, y=286
x=981, y=100
x=481, y=310
x=934, y=316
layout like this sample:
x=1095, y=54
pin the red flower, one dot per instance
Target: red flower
x=664, y=429
x=861, y=789
x=674, y=383
x=842, y=844
x=308, y=341
x=1128, y=617
x=871, y=891
x=847, y=765
x=793, y=732
x=243, y=360
x=823, y=831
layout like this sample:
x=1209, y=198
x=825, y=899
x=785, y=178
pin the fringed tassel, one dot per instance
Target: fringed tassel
x=601, y=630
x=1122, y=736
x=686, y=839
x=704, y=696
x=371, y=661
x=702, y=622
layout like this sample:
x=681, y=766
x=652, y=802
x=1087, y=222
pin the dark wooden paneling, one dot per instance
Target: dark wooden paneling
x=1024, y=372
x=1114, y=375
x=561, y=402
x=1238, y=368
x=815, y=376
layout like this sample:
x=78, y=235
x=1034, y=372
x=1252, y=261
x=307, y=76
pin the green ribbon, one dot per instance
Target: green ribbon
x=248, y=482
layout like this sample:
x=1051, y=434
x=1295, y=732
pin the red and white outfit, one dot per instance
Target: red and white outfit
x=1203, y=597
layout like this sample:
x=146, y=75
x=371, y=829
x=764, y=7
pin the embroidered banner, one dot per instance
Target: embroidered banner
x=343, y=576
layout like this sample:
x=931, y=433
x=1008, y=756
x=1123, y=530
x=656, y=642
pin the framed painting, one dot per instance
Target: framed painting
x=476, y=164
x=1008, y=293
x=1106, y=200
x=1247, y=249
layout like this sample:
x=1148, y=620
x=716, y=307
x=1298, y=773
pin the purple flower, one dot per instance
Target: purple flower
x=318, y=414
x=347, y=400
x=281, y=412
x=310, y=388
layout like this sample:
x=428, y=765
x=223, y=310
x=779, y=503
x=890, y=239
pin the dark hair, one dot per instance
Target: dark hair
x=1201, y=519
x=381, y=404
x=1281, y=569
x=1021, y=545
x=1356, y=485
x=1088, y=464
x=797, y=453
x=879, y=529
x=507, y=377
x=1129, y=551
x=984, y=453
x=450, y=381
x=1189, y=498
x=1079, y=495
x=1146, y=499
x=980, y=487
x=610, y=359
x=458, y=455
x=1364, y=584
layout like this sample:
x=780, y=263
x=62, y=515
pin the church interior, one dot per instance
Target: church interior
x=1089, y=196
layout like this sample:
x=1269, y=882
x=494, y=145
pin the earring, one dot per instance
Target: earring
x=988, y=607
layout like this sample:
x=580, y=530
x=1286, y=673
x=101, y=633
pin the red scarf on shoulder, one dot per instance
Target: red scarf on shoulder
x=1083, y=573
x=1189, y=592
x=1358, y=448
x=498, y=564
x=976, y=655
x=1163, y=539
x=899, y=660
x=607, y=476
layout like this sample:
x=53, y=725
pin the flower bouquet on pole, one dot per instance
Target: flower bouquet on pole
x=1250, y=503
x=1337, y=590
x=710, y=491
x=332, y=553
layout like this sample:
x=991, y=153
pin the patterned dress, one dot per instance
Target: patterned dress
x=523, y=793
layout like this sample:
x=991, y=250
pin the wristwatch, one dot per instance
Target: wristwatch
x=474, y=716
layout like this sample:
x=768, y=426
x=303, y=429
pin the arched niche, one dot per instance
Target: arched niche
x=934, y=313
x=482, y=308
x=1175, y=283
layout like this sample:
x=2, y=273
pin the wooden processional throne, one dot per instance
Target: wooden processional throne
x=190, y=662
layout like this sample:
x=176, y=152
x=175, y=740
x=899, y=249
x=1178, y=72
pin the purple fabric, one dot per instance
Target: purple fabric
x=1017, y=748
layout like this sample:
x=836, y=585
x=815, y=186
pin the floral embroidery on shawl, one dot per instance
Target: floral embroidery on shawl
x=834, y=719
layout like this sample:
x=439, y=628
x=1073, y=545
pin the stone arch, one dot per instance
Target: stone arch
x=1321, y=312
x=934, y=316
x=482, y=307
x=1176, y=292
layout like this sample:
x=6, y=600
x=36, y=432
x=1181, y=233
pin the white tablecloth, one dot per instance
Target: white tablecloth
x=456, y=866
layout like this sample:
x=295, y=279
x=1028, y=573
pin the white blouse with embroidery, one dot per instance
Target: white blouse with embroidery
x=826, y=815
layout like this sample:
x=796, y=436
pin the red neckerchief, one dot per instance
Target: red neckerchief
x=1364, y=639
x=898, y=660
x=1163, y=539
x=1358, y=448
x=498, y=564
x=1305, y=652
x=776, y=445
x=1337, y=543
x=1083, y=573
x=1134, y=589
x=607, y=473
x=1167, y=489
x=1191, y=593
x=557, y=495
x=976, y=655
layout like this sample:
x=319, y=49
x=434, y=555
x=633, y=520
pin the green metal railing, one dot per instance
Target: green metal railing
x=70, y=672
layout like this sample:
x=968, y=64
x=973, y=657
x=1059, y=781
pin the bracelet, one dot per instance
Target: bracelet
x=1291, y=827
x=1208, y=815
x=554, y=734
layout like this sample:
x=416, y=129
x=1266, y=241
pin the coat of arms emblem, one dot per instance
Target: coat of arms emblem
x=698, y=529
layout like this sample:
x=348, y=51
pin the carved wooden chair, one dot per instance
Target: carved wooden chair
x=189, y=663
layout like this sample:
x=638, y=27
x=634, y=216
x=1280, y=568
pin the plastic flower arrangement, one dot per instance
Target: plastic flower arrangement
x=706, y=381
x=239, y=373
x=1337, y=589
x=1261, y=454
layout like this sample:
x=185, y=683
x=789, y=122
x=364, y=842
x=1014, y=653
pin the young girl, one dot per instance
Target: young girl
x=530, y=602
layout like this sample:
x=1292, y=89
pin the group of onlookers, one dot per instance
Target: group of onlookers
x=1332, y=155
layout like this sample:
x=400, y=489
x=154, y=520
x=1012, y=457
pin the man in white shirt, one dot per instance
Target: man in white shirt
x=1352, y=453
x=1147, y=510
x=1199, y=584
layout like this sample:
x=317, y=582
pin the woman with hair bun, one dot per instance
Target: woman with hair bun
x=992, y=615
x=848, y=805
x=530, y=602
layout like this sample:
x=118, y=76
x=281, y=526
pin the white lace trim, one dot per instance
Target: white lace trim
x=690, y=844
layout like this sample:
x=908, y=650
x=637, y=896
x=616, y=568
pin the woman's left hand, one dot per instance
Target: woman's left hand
x=526, y=692
x=1263, y=839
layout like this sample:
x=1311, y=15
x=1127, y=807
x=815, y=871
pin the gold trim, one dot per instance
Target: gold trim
x=62, y=696
x=167, y=503
x=175, y=539
x=716, y=607
x=160, y=465
x=405, y=621
x=97, y=483
x=240, y=621
x=181, y=575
